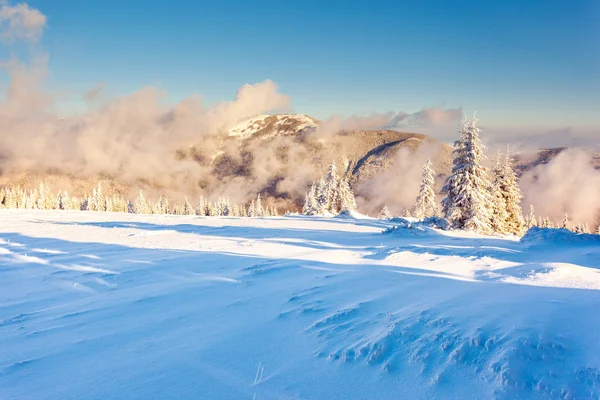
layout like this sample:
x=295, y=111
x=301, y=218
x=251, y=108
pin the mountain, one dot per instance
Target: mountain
x=271, y=125
x=278, y=156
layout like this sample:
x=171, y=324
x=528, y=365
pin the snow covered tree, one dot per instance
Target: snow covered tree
x=499, y=215
x=187, y=208
x=108, y=204
x=141, y=205
x=406, y=213
x=310, y=201
x=347, y=199
x=98, y=199
x=512, y=197
x=252, y=210
x=565, y=222
x=44, y=200
x=426, y=205
x=258, y=208
x=385, y=213
x=531, y=220
x=321, y=206
x=468, y=199
x=331, y=189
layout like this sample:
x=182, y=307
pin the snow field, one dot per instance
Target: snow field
x=103, y=305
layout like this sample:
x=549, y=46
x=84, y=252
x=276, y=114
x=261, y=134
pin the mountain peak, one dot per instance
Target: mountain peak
x=266, y=125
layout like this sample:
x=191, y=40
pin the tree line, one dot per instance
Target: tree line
x=41, y=198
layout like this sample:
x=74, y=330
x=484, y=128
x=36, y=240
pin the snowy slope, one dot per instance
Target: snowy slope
x=278, y=124
x=101, y=305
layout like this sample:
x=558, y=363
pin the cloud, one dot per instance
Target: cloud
x=569, y=183
x=563, y=137
x=437, y=122
x=20, y=22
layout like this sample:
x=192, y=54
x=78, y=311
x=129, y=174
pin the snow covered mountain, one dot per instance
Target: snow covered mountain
x=260, y=153
x=271, y=125
x=104, y=305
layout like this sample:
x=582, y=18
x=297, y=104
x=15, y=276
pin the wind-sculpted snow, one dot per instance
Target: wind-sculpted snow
x=101, y=305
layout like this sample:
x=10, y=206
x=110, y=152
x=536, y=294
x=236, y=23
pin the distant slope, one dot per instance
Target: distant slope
x=265, y=150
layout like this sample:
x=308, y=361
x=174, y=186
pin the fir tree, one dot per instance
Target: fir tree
x=252, y=210
x=258, y=208
x=331, y=190
x=467, y=202
x=499, y=216
x=426, y=205
x=321, y=206
x=347, y=199
x=512, y=197
x=565, y=221
x=141, y=205
x=99, y=199
x=187, y=208
x=385, y=213
x=108, y=204
x=531, y=220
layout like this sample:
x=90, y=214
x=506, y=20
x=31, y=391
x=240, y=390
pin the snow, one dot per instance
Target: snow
x=249, y=127
x=107, y=305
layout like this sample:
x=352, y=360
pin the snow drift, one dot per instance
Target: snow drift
x=101, y=305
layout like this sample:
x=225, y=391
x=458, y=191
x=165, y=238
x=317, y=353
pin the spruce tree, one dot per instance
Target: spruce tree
x=385, y=213
x=426, y=205
x=565, y=221
x=141, y=205
x=512, y=196
x=258, y=208
x=468, y=199
x=321, y=205
x=347, y=198
x=331, y=189
x=531, y=220
x=499, y=214
x=187, y=208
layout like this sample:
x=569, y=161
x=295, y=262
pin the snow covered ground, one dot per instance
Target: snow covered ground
x=102, y=305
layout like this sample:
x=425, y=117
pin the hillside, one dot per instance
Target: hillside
x=103, y=305
x=278, y=156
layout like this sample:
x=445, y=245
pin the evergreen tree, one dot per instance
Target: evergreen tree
x=43, y=200
x=385, y=213
x=347, y=199
x=331, y=189
x=99, y=199
x=531, y=220
x=499, y=216
x=321, y=196
x=512, y=197
x=565, y=221
x=426, y=205
x=141, y=205
x=468, y=199
x=108, y=204
x=258, y=208
x=187, y=208
x=201, y=209
x=252, y=210
x=310, y=201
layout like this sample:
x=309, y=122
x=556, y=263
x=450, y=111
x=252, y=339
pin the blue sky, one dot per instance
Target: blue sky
x=520, y=64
